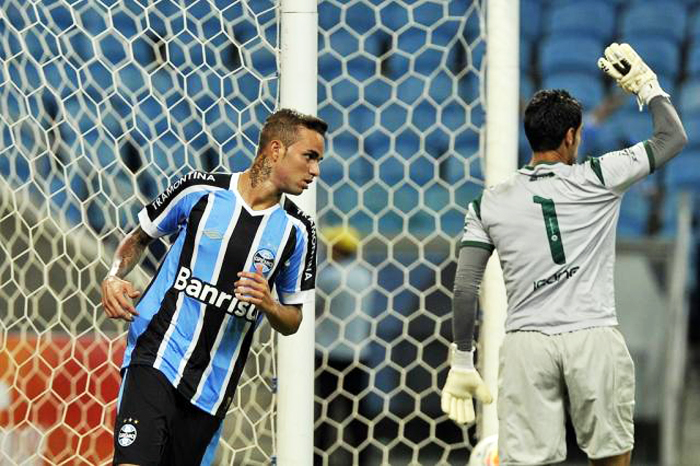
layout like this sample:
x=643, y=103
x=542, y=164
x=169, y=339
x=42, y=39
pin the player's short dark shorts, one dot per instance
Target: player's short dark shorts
x=156, y=425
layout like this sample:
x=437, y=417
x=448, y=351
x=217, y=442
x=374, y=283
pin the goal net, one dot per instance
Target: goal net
x=104, y=103
x=400, y=84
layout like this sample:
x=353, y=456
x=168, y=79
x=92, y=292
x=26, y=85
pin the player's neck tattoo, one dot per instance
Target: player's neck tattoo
x=259, y=171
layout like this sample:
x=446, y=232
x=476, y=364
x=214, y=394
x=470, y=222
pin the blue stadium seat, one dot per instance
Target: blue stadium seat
x=606, y=137
x=429, y=60
x=669, y=218
x=394, y=16
x=635, y=127
x=662, y=55
x=391, y=170
x=659, y=19
x=360, y=17
x=411, y=40
x=595, y=19
x=525, y=56
x=376, y=92
x=693, y=60
x=531, y=12
x=424, y=115
x=634, y=212
x=345, y=93
x=683, y=172
x=332, y=171
x=328, y=15
x=410, y=89
x=688, y=100
x=469, y=87
x=453, y=116
x=527, y=87
x=452, y=223
x=421, y=171
x=475, y=55
x=329, y=67
x=345, y=197
x=668, y=85
x=362, y=68
x=407, y=144
x=441, y=86
x=585, y=88
x=445, y=33
x=453, y=170
x=692, y=129
x=345, y=145
x=694, y=27
x=556, y=55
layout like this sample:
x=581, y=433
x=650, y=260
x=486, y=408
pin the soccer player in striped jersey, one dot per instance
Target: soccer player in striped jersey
x=237, y=236
x=553, y=225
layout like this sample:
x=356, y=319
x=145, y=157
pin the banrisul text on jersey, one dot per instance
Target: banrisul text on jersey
x=190, y=325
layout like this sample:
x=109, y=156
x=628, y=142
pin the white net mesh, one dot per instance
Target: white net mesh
x=102, y=104
x=400, y=85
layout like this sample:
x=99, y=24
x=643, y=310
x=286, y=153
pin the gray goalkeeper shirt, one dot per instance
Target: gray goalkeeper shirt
x=554, y=228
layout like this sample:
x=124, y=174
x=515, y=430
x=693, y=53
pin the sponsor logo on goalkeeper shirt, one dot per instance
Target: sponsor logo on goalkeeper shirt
x=555, y=278
x=213, y=296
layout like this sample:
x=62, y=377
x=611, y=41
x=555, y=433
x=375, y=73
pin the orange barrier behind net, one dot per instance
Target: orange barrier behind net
x=61, y=402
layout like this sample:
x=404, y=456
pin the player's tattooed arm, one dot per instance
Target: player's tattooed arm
x=129, y=252
x=118, y=293
x=252, y=287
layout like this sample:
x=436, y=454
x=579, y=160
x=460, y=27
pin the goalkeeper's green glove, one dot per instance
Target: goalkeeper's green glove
x=623, y=64
x=463, y=382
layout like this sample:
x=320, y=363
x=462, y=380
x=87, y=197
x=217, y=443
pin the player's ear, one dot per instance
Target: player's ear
x=276, y=150
x=570, y=136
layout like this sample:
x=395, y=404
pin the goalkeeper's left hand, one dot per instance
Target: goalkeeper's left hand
x=463, y=383
x=626, y=67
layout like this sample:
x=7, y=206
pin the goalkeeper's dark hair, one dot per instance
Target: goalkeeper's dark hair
x=548, y=116
x=283, y=125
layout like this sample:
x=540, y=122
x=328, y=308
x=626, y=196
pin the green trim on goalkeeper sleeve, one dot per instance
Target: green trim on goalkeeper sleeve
x=650, y=155
x=477, y=244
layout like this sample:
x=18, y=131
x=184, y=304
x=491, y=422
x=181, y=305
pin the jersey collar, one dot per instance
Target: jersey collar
x=538, y=164
x=249, y=209
x=542, y=166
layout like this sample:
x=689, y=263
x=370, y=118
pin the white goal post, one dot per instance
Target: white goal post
x=501, y=159
x=295, y=353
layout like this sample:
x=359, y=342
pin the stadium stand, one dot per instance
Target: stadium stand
x=594, y=19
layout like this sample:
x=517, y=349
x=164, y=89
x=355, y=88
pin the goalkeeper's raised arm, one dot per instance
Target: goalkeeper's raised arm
x=624, y=65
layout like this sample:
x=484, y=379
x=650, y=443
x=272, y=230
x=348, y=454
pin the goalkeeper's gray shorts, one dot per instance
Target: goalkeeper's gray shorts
x=588, y=373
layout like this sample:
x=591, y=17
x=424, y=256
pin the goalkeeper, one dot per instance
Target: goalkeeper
x=553, y=224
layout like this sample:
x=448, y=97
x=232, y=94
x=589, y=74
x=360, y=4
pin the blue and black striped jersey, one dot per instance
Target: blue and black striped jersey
x=190, y=325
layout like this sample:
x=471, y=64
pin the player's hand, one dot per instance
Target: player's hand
x=461, y=386
x=463, y=383
x=626, y=67
x=252, y=287
x=117, y=296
